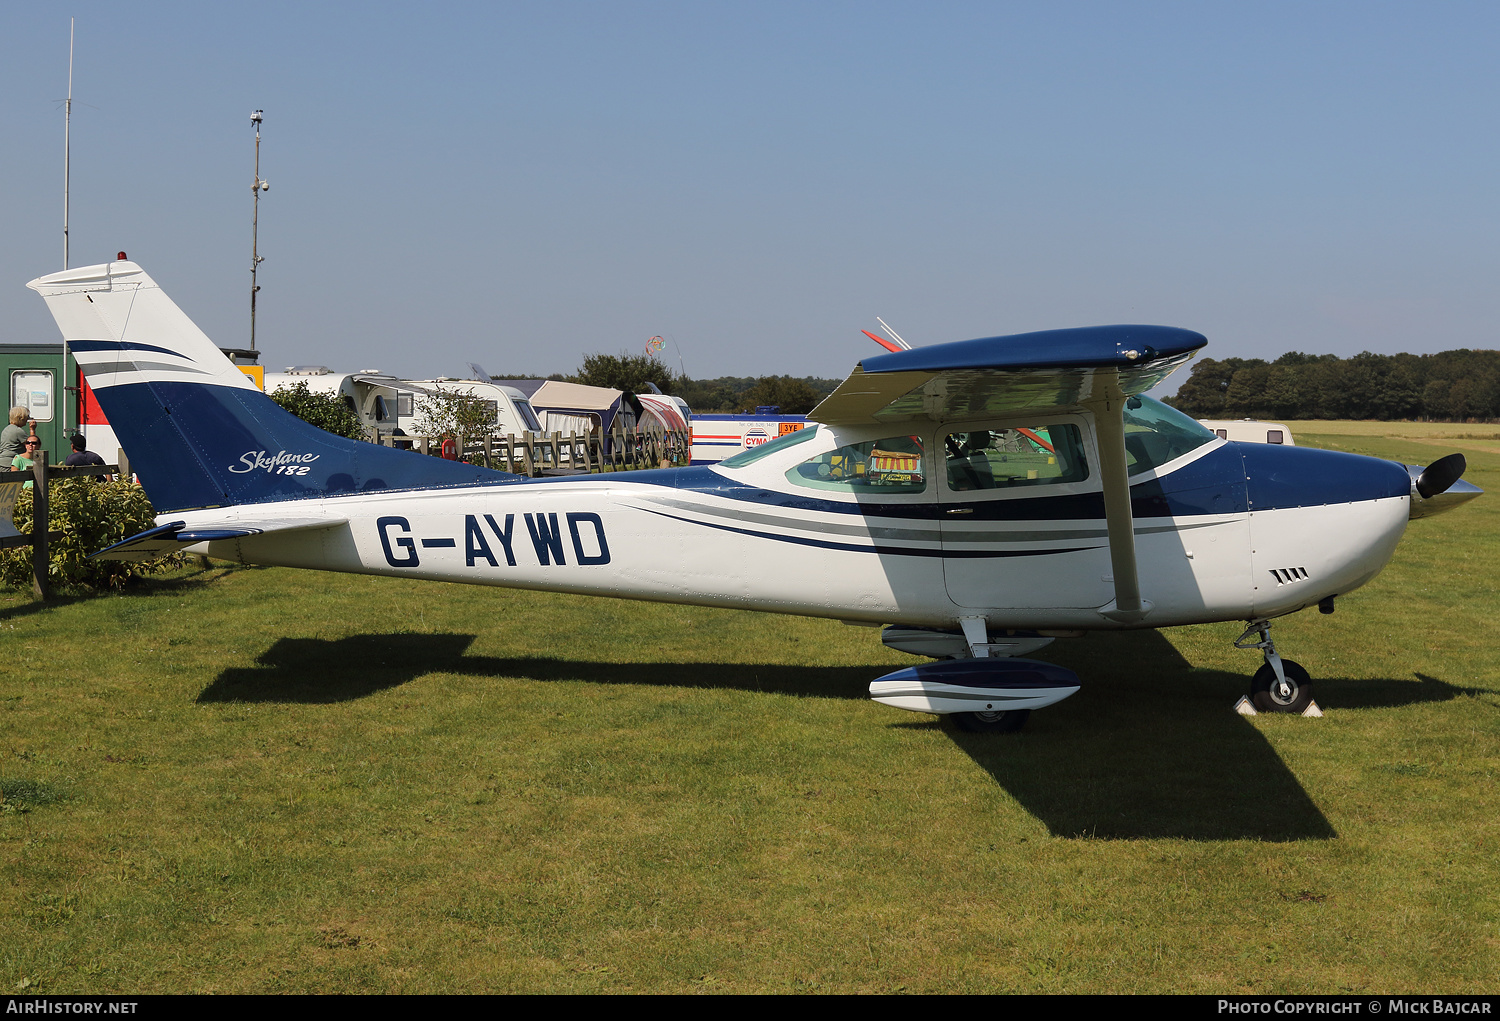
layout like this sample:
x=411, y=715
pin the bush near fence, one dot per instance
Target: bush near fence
x=85, y=516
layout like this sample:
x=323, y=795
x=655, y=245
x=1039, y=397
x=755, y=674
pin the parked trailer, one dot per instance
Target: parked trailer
x=370, y=394
x=1248, y=430
x=716, y=437
x=513, y=412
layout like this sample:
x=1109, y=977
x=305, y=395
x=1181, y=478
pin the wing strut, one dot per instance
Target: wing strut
x=1109, y=427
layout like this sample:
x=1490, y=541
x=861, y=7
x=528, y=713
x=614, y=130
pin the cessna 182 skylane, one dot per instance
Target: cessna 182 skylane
x=977, y=498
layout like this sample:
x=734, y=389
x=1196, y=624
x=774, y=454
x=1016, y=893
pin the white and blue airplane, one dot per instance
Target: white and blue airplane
x=977, y=499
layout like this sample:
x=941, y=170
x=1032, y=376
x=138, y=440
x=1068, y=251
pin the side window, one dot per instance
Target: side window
x=1018, y=456
x=1273, y=436
x=891, y=465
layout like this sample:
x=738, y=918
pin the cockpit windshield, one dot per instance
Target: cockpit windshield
x=1156, y=434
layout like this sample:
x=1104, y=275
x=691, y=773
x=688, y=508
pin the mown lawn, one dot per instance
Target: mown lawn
x=247, y=780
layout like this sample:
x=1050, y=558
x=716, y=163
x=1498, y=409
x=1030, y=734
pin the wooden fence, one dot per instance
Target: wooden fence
x=40, y=475
x=559, y=453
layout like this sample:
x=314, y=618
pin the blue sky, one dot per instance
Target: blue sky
x=521, y=184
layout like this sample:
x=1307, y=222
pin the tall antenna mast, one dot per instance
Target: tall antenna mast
x=77, y=388
x=67, y=145
x=255, y=258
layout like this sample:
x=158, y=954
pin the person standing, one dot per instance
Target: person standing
x=13, y=436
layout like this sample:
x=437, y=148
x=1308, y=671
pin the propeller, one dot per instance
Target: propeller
x=1438, y=476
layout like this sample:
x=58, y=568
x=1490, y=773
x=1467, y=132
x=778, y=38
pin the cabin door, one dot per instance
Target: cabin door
x=1021, y=514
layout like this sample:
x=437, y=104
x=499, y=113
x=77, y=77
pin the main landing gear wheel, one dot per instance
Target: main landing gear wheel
x=1007, y=722
x=1271, y=696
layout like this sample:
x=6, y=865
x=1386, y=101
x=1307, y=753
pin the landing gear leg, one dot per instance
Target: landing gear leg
x=977, y=634
x=1280, y=685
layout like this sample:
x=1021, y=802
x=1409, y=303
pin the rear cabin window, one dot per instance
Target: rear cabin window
x=1274, y=436
x=1156, y=434
x=888, y=466
x=1039, y=455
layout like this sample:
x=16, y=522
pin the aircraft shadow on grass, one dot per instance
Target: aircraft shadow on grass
x=1148, y=749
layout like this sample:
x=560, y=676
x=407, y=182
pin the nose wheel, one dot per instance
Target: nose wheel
x=1290, y=693
x=1280, y=685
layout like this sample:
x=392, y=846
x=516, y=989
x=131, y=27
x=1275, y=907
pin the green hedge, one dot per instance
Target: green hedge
x=91, y=515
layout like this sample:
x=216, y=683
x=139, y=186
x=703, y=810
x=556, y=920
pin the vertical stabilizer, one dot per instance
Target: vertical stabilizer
x=196, y=429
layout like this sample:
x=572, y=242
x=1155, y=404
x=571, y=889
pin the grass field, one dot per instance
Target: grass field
x=249, y=780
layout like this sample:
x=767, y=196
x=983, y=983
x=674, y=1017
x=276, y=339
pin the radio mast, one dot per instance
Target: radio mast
x=259, y=186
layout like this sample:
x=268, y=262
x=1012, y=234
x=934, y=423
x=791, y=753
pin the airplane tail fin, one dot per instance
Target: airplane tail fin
x=197, y=430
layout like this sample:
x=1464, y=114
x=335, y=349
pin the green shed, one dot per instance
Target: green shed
x=36, y=380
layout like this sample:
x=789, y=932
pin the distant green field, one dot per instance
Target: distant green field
x=261, y=780
x=1400, y=430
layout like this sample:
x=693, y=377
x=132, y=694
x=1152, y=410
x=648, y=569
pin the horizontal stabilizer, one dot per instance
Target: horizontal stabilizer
x=175, y=535
x=991, y=376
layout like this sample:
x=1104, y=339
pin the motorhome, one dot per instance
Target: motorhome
x=512, y=413
x=716, y=437
x=370, y=394
x=1248, y=430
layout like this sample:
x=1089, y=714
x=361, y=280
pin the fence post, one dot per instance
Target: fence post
x=40, y=526
x=510, y=452
x=123, y=463
x=487, y=446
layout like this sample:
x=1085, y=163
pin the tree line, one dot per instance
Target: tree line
x=1452, y=386
x=794, y=395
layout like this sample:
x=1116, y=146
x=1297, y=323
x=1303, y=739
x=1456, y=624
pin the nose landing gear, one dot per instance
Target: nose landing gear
x=1280, y=685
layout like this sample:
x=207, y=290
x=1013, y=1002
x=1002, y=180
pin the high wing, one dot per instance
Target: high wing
x=175, y=535
x=1093, y=368
x=991, y=376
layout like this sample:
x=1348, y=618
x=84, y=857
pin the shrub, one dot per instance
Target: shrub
x=328, y=412
x=91, y=515
x=467, y=416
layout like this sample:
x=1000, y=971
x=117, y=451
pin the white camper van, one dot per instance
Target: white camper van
x=370, y=394
x=513, y=414
x=1247, y=430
